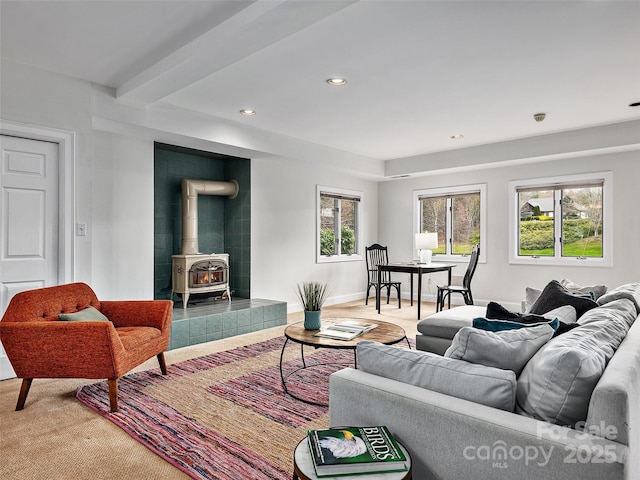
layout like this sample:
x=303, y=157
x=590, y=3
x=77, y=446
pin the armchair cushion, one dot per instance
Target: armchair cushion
x=88, y=314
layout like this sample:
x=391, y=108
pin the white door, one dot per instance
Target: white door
x=29, y=223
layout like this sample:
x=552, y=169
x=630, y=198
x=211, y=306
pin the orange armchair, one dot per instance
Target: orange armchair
x=40, y=345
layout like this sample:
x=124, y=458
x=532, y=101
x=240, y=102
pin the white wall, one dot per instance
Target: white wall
x=496, y=279
x=122, y=217
x=114, y=186
x=283, y=230
x=37, y=97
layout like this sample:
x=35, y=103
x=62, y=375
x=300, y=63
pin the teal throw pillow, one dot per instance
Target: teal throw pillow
x=88, y=314
x=501, y=325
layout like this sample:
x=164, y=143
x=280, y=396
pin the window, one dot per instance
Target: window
x=339, y=225
x=562, y=220
x=457, y=214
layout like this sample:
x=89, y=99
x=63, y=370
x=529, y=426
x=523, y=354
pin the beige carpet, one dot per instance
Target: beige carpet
x=56, y=437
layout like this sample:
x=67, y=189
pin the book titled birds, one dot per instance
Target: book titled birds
x=353, y=450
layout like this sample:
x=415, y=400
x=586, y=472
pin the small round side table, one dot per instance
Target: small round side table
x=303, y=467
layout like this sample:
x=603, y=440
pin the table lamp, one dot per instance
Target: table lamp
x=425, y=242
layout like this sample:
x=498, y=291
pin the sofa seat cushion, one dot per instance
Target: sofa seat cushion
x=507, y=350
x=445, y=324
x=556, y=385
x=477, y=383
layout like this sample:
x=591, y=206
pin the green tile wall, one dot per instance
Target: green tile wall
x=224, y=225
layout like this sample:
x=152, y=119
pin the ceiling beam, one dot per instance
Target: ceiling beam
x=259, y=25
x=583, y=142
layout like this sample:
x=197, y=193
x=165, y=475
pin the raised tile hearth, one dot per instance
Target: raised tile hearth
x=215, y=319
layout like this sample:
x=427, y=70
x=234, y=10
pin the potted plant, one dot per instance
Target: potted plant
x=311, y=296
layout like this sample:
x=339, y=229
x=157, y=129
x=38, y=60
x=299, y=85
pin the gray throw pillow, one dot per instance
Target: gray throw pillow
x=530, y=296
x=555, y=295
x=507, y=349
x=595, y=290
x=480, y=384
x=88, y=314
x=566, y=314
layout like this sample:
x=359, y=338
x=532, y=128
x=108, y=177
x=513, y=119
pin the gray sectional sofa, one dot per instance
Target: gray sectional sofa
x=571, y=412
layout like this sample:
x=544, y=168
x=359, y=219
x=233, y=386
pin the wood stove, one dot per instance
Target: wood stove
x=192, y=271
x=200, y=273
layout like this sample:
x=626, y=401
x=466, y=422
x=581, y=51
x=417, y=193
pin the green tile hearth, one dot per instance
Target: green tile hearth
x=209, y=319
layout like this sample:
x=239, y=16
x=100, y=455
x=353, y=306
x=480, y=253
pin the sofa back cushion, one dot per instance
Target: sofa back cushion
x=616, y=397
x=557, y=383
x=478, y=383
x=630, y=291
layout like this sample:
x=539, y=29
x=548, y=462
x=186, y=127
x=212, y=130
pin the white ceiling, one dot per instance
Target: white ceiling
x=418, y=71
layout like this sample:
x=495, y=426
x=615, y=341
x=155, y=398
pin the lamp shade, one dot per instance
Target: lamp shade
x=425, y=241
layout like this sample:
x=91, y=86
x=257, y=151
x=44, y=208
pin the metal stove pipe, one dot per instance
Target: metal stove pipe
x=190, y=191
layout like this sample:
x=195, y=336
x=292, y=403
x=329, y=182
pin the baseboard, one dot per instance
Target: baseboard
x=455, y=300
x=296, y=307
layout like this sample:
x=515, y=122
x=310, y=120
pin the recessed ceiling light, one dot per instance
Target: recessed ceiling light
x=634, y=104
x=458, y=136
x=337, y=81
x=247, y=111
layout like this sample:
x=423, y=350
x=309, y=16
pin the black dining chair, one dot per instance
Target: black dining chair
x=445, y=291
x=377, y=255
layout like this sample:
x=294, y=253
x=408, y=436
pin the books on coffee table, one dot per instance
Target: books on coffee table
x=352, y=450
x=346, y=330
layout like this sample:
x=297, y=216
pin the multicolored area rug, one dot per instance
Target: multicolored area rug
x=225, y=415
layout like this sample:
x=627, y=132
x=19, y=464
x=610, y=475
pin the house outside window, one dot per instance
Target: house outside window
x=339, y=225
x=562, y=220
x=456, y=214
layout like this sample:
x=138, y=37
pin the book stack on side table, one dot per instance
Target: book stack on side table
x=355, y=450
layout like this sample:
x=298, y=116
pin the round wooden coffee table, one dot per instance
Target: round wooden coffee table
x=385, y=332
x=303, y=467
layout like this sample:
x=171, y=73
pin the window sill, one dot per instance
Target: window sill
x=339, y=258
x=456, y=258
x=565, y=262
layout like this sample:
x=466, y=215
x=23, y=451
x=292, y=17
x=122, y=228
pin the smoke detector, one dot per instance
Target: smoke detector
x=539, y=116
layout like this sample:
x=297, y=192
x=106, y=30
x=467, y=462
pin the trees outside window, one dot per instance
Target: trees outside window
x=339, y=224
x=563, y=219
x=577, y=213
x=456, y=214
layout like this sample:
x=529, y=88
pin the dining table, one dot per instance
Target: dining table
x=413, y=268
